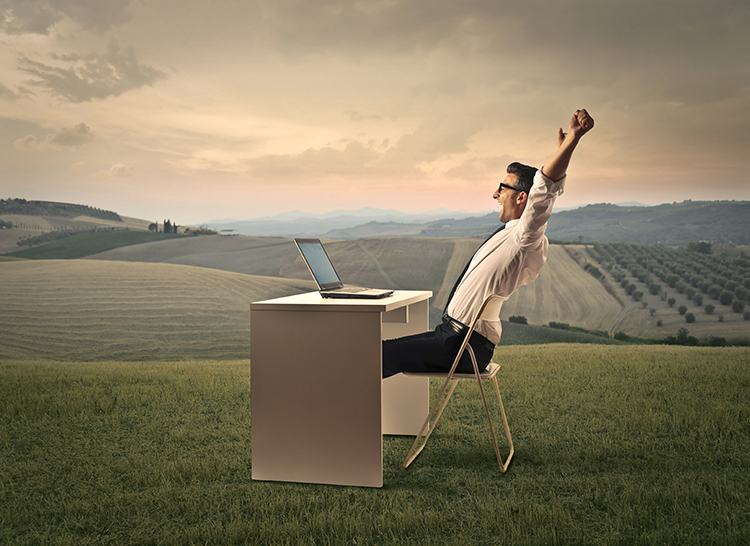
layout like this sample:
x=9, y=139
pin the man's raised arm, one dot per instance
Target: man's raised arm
x=580, y=124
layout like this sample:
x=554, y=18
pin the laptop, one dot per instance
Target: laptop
x=328, y=281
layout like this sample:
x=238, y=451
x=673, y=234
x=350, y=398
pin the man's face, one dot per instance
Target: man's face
x=506, y=197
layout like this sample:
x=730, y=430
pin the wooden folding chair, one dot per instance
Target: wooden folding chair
x=489, y=310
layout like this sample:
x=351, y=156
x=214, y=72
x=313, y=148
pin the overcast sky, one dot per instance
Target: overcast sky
x=194, y=110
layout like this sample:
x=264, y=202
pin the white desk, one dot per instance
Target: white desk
x=319, y=404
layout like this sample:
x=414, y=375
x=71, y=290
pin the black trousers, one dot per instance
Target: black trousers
x=432, y=351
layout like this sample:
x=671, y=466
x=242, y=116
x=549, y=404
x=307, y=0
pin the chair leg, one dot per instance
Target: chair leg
x=441, y=399
x=503, y=466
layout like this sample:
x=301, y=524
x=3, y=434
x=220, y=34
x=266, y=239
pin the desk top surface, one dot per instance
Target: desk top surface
x=313, y=301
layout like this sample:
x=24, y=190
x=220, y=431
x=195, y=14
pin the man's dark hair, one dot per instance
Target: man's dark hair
x=525, y=175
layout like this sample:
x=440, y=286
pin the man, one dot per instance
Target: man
x=510, y=258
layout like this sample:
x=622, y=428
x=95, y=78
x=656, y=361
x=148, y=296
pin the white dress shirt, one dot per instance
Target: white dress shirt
x=512, y=258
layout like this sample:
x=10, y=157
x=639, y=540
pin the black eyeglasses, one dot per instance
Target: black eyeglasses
x=507, y=186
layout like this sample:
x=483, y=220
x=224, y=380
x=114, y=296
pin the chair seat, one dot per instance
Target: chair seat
x=489, y=373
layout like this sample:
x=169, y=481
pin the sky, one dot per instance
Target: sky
x=197, y=111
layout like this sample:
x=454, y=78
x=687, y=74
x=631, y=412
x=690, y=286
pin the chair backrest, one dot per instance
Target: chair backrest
x=491, y=307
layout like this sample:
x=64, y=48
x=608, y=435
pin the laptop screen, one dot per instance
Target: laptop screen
x=319, y=263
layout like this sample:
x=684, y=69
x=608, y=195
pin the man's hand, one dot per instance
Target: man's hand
x=580, y=124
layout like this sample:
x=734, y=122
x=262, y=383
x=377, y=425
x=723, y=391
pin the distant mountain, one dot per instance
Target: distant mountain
x=675, y=224
x=301, y=224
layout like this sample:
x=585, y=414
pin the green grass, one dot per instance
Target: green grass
x=86, y=244
x=528, y=334
x=614, y=445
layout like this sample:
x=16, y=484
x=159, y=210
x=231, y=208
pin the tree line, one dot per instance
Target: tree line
x=168, y=227
x=50, y=208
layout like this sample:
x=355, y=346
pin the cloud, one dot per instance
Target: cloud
x=7, y=94
x=83, y=78
x=434, y=140
x=73, y=137
x=120, y=170
x=690, y=49
x=39, y=16
x=481, y=168
x=314, y=164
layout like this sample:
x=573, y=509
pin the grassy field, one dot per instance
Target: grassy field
x=29, y=226
x=85, y=244
x=614, y=445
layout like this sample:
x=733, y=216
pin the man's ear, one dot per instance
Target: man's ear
x=522, y=198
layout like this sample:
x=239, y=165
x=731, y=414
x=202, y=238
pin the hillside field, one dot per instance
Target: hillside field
x=37, y=225
x=189, y=296
x=93, y=310
x=563, y=292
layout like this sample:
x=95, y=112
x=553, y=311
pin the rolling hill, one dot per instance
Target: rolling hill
x=104, y=310
x=183, y=296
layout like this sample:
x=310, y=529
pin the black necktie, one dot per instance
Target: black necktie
x=461, y=276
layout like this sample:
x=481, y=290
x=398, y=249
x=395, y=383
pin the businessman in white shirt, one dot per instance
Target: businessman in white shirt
x=510, y=258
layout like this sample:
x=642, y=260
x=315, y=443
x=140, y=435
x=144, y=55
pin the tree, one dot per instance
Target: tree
x=682, y=309
x=701, y=247
x=714, y=291
x=698, y=300
x=689, y=317
x=738, y=306
x=709, y=308
x=726, y=297
x=671, y=302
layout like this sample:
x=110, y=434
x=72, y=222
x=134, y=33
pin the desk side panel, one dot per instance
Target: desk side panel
x=406, y=400
x=316, y=397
